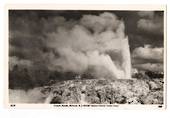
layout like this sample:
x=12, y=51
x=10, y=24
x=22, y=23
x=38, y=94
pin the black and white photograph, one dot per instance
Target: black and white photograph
x=86, y=57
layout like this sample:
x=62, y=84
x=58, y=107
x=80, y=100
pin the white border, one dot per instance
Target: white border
x=137, y=7
x=87, y=7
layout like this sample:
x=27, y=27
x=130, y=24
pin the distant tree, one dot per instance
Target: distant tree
x=154, y=75
x=26, y=79
x=140, y=76
x=13, y=77
x=19, y=78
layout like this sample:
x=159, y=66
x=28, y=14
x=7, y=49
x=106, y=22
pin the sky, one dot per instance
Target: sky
x=29, y=31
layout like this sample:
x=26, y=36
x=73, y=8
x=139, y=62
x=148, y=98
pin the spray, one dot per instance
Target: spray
x=126, y=59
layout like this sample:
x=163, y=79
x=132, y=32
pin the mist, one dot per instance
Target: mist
x=73, y=45
x=31, y=96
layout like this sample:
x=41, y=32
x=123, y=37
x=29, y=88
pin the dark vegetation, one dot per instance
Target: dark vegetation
x=68, y=87
x=102, y=91
x=24, y=78
x=148, y=75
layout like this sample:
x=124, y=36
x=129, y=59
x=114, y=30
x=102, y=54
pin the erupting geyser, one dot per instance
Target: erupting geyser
x=82, y=57
x=126, y=59
x=96, y=42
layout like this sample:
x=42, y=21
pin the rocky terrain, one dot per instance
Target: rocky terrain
x=102, y=91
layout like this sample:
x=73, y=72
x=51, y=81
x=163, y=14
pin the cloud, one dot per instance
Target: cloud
x=16, y=61
x=104, y=22
x=150, y=66
x=150, y=26
x=148, y=53
x=150, y=22
x=148, y=58
x=147, y=14
x=71, y=45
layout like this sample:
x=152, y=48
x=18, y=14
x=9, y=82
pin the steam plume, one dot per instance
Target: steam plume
x=85, y=45
x=77, y=45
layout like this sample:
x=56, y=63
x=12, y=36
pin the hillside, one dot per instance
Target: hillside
x=100, y=91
